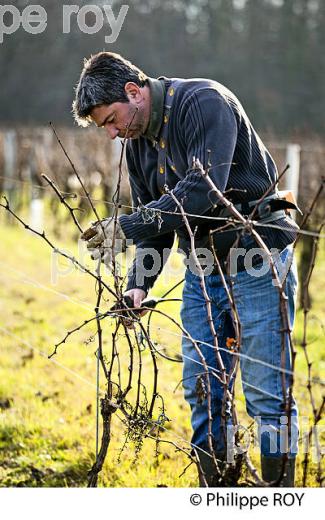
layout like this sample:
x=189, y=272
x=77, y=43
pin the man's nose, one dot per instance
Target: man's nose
x=112, y=131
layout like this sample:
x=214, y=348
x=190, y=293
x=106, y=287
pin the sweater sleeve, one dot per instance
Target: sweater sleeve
x=151, y=252
x=208, y=128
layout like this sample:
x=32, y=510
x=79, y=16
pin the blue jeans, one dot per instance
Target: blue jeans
x=258, y=306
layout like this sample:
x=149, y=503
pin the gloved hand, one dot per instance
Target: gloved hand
x=99, y=237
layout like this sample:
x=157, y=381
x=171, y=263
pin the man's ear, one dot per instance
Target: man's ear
x=133, y=91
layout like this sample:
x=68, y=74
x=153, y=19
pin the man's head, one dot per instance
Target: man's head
x=113, y=93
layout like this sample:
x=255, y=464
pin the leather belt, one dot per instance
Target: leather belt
x=272, y=208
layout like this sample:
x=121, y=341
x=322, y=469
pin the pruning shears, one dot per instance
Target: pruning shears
x=127, y=305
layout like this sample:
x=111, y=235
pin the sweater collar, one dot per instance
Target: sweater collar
x=157, y=91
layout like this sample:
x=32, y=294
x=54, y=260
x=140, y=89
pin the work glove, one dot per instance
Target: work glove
x=99, y=237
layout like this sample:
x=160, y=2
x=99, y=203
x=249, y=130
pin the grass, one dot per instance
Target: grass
x=47, y=416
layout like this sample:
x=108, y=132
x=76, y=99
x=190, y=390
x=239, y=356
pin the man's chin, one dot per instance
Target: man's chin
x=131, y=134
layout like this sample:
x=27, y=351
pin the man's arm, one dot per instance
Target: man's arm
x=208, y=127
x=151, y=252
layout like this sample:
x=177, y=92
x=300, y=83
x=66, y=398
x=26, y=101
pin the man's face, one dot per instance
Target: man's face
x=124, y=119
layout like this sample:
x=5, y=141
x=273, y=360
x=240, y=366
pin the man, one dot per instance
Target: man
x=169, y=123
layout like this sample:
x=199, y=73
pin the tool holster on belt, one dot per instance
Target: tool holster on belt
x=272, y=208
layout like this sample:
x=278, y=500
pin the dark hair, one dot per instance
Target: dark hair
x=102, y=82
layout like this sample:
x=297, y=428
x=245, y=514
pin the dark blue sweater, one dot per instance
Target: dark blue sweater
x=206, y=122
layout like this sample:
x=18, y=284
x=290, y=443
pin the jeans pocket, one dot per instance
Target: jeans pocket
x=285, y=265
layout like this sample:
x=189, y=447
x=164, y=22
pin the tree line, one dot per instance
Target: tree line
x=271, y=53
